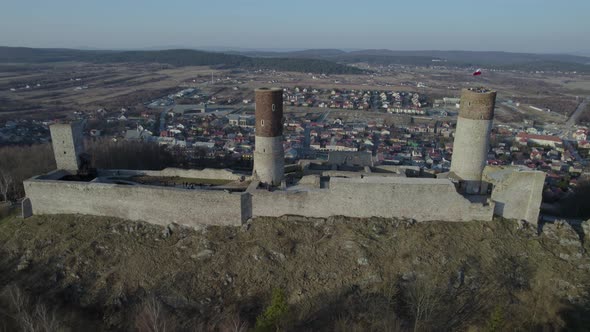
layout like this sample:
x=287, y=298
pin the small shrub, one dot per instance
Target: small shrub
x=273, y=317
x=496, y=321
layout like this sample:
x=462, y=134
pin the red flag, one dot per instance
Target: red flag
x=477, y=72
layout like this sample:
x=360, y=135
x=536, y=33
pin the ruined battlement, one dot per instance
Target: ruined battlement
x=477, y=104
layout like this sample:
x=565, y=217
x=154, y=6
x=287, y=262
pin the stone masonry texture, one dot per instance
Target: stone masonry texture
x=269, y=112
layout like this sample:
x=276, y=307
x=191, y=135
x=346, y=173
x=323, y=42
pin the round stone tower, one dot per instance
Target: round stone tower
x=472, y=138
x=269, y=156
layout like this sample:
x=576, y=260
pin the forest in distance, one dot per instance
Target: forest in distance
x=312, y=61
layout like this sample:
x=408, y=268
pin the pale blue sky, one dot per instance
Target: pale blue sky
x=503, y=25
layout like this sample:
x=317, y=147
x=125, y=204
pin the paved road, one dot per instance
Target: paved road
x=324, y=116
x=574, y=117
x=575, y=153
x=512, y=107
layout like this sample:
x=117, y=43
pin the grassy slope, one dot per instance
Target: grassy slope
x=104, y=267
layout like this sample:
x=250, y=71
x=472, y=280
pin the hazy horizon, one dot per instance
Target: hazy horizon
x=271, y=49
x=528, y=26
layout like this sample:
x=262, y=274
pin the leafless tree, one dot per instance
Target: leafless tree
x=6, y=184
x=233, y=323
x=153, y=317
x=22, y=162
x=422, y=298
x=45, y=321
x=17, y=300
x=28, y=317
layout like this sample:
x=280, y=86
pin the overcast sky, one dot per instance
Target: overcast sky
x=497, y=25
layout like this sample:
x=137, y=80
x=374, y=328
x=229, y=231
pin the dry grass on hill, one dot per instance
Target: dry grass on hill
x=336, y=274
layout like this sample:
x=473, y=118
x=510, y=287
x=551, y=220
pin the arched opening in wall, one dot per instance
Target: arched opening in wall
x=262, y=123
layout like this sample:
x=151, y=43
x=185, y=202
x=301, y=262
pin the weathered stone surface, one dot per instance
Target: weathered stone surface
x=586, y=229
x=158, y=205
x=471, y=148
x=269, y=160
x=416, y=199
x=166, y=232
x=525, y=227
x=517, y=193
x=477, y=104
x=561, y=231
x=204, y=254
x=27, y=208
x=68, y=144
x=472, y=138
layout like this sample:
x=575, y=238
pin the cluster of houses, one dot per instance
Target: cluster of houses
x=15, y=132
x=427, y=145
x=231, y=134
x=560, y=159
x=355, y=99
x=413, y=144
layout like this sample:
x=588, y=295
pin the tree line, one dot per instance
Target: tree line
x=179, y=57
x=18, y=163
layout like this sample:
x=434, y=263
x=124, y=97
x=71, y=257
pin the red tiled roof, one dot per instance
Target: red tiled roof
x=523, y=135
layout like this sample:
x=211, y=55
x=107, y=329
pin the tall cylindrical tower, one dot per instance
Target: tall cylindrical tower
x=472, y=137
x=269, y=156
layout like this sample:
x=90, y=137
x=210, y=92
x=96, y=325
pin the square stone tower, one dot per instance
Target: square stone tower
x=68, y=145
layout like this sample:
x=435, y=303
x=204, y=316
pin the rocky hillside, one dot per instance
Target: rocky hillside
x=342, y=274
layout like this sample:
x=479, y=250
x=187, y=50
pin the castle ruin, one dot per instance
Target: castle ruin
x=472, y=191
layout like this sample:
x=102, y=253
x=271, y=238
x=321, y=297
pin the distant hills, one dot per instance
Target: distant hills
x=490, y=59
x=178, y=57
x=328, y=61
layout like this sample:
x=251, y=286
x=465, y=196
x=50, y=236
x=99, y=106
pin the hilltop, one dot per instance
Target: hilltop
x=334, y=274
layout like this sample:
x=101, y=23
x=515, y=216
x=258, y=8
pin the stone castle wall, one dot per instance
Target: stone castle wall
x=517, y=193
x=415, y=198
x=158, y=205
